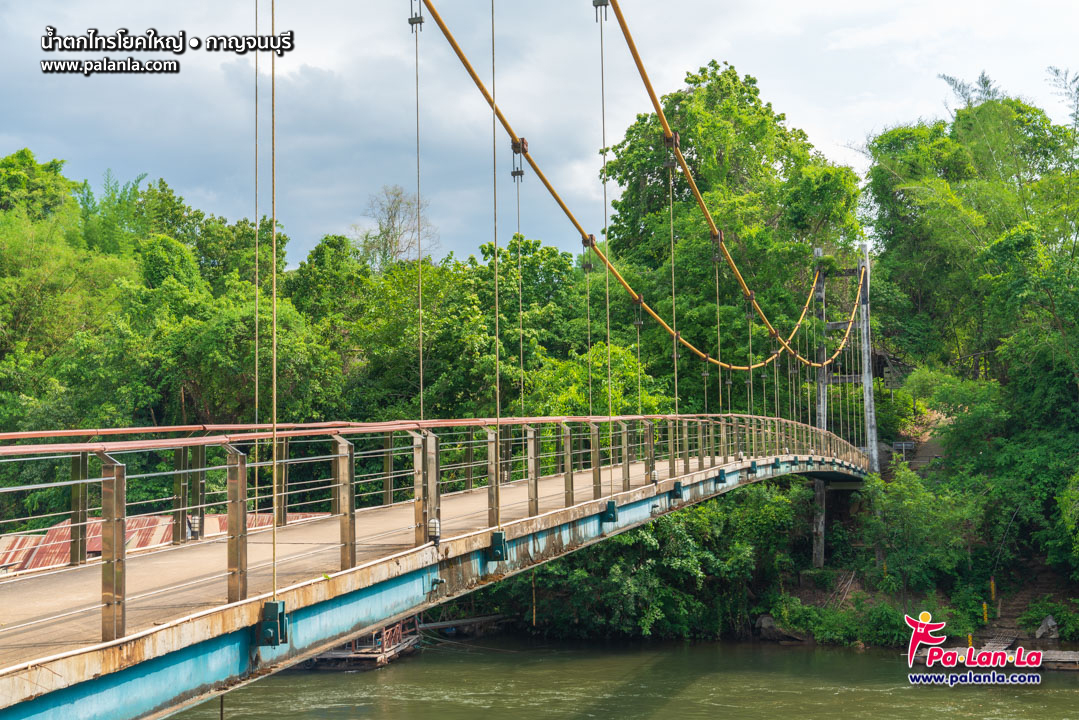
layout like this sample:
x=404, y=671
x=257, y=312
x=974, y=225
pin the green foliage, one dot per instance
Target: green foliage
x=871, y=623
x=38, y=189
x=776, y=199
x=923, y=532
x=1065, y=612
x=685, y=575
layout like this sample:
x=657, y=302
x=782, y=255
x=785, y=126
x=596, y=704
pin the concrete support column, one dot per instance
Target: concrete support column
x=867, y=374
x=387, y=469
x=470, y=458
x=344, y=479
x=113, y=548
x=197, y=481
x=80, y=503
x=819, y=496
x=625, y=456
x=650, y=451
x=532, y=468
x=236, y=493
x=432, y=496
x=672, y=448
x=711, y=443
x=494, y=507
x=281, y=473
x=723, y=441
x=597, y=476
x=419, y=486
x=700, y=444
x=567, y=461
x=179, y=495
x=685, y=447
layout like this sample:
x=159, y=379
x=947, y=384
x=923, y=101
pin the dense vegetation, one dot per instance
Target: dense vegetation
x=129, y=307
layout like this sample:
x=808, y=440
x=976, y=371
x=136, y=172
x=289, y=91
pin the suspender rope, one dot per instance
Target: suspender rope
x=273, y=243
x=518, y=174
x=601, y=18
x=674, y=303
x=255, y=457
x=494, y=205
x=416, y=25
x=719, y=337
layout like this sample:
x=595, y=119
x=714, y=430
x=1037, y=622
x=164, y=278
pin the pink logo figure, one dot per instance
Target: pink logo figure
x=922, y=633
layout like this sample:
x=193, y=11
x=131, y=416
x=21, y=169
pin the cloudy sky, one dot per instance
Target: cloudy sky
x=839, y=69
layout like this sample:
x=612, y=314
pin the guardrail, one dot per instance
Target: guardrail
x=175, y=490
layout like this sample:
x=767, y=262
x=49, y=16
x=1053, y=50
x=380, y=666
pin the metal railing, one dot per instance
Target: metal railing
x=220, y=486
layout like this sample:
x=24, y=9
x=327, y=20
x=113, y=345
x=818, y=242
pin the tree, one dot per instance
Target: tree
x=394, y=237
x=922, y=533
x=39, y=189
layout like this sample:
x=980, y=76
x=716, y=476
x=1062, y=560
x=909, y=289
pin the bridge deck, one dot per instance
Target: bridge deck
x=58, y=611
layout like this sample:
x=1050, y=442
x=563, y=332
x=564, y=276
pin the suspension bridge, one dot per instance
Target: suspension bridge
x=193, y=559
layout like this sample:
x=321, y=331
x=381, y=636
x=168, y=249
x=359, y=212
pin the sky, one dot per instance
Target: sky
x=842, y=70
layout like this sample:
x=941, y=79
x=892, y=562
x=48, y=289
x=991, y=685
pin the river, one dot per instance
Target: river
x=512, y=678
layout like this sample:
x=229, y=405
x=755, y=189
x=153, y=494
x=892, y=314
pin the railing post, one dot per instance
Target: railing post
x=179, y=495
x=419, y=488
x=597, y=476
x=237, y=524
x=198, y=491
x=625, y=455
x=282, y=482
x=80, y=502
x=650, y=451
x=672, y=447
x=567, y=461
x=532, y=468
x=113, y=548
x=432, y=497
x=723, y=440
x=711, y=442
x=700, y=444
x=344, y=478
x=685, y=447
x=470, y=458
x=493, y=476
x=387, y=469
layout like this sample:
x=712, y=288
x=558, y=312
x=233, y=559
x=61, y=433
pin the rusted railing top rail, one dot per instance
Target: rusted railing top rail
x=252, y=431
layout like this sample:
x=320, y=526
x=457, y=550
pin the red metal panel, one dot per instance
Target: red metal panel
x=17, y=550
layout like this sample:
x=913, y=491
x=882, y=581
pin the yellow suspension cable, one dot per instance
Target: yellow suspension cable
x=785, y=342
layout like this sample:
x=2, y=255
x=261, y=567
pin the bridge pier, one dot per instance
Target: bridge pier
x=819, y=514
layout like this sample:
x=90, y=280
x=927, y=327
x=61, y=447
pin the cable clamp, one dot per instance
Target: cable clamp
x=519, y=146
x=673, y=142
x=597, y=4
x=416, y=20
x=589, y=241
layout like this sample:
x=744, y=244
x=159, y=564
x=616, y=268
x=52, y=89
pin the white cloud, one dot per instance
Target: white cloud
x=840, y=69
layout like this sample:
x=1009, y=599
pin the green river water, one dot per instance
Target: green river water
x=512, y=678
